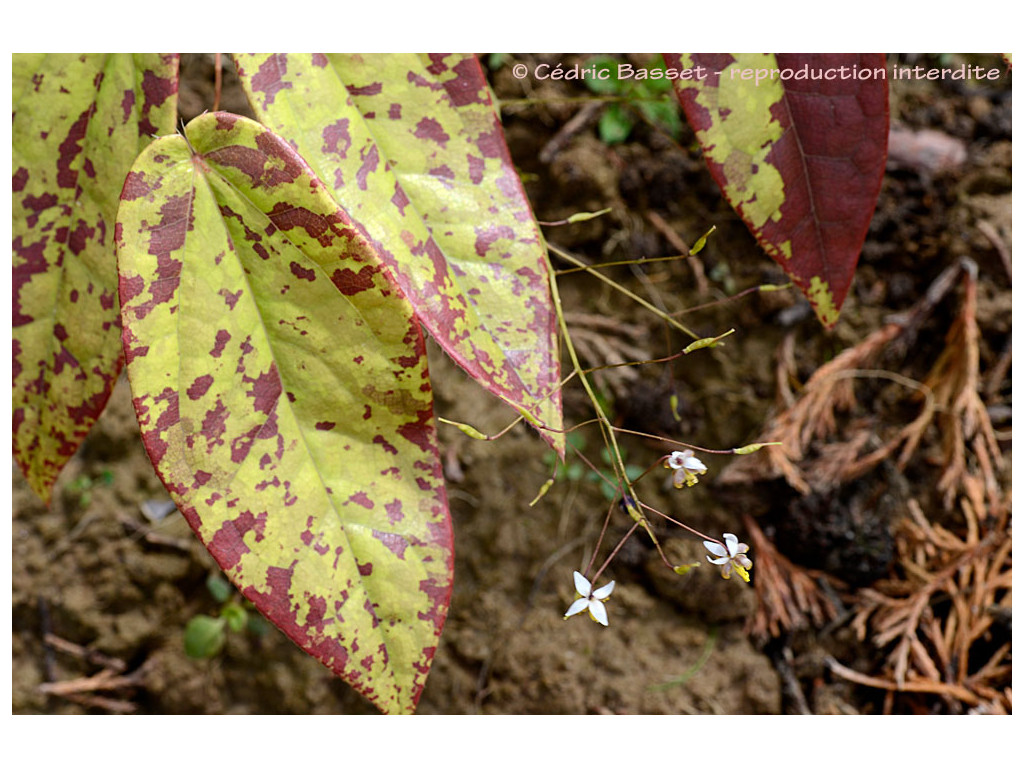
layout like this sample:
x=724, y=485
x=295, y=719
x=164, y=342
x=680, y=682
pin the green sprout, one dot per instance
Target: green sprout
x=205, y=635
x=80, y=489
x=651, y=96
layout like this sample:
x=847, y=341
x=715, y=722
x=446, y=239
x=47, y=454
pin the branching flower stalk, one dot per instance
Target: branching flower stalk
x=620, y=288
x=624, y=501
x=684, y=464
x=607, y=432
x=730, y=556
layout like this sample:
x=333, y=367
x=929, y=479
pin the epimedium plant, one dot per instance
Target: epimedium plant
x=265, y=285
x=271, y=324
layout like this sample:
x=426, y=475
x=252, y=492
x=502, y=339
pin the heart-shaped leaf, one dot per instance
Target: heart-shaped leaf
x=414, y=151
x=799, y=154
x=79, y=122
x=280, y=381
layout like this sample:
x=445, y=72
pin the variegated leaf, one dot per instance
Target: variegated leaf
x=281, y=385
x=800, y=159
x=79, y=122
x=414, y=152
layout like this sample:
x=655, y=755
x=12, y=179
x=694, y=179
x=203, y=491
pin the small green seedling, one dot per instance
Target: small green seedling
x=651, y=96
x=205, y=635
x=80, y=489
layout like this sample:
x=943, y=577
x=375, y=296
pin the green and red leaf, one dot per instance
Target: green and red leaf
x=281, y=385
x=412, y=148
x=800, y=159
x=79, y=122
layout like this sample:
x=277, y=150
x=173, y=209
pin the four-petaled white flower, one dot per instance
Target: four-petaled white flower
x=686, y=466
x=590, y=598
x=732, y=557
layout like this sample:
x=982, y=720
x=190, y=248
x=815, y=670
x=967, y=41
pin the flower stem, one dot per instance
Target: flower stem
x=614, y=552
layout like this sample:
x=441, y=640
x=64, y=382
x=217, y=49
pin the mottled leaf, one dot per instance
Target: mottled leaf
x=79, y=122
x=280, y=381
x=413, y=150
x=800, y=158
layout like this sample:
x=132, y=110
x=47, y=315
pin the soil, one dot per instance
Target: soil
x=95, y=570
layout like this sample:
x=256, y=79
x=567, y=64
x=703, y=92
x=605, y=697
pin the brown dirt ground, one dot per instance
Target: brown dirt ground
x=93, y=570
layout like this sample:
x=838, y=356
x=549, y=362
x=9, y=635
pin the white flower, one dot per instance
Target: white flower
x=590, y=598
x=686, y=466
x=732, y=557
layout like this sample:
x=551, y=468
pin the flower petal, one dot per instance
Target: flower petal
x=582, y=585
x=694, y=464
x=731, y=543
x=598, y=612
x=605, y=591
x=577, y=607
x=715, y=548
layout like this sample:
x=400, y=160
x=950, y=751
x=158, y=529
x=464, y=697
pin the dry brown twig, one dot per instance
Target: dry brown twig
x=677, y=242
x=88, y=654
x=605, y=341
x=87, y=691
x=989, y=231
x=587, y=114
